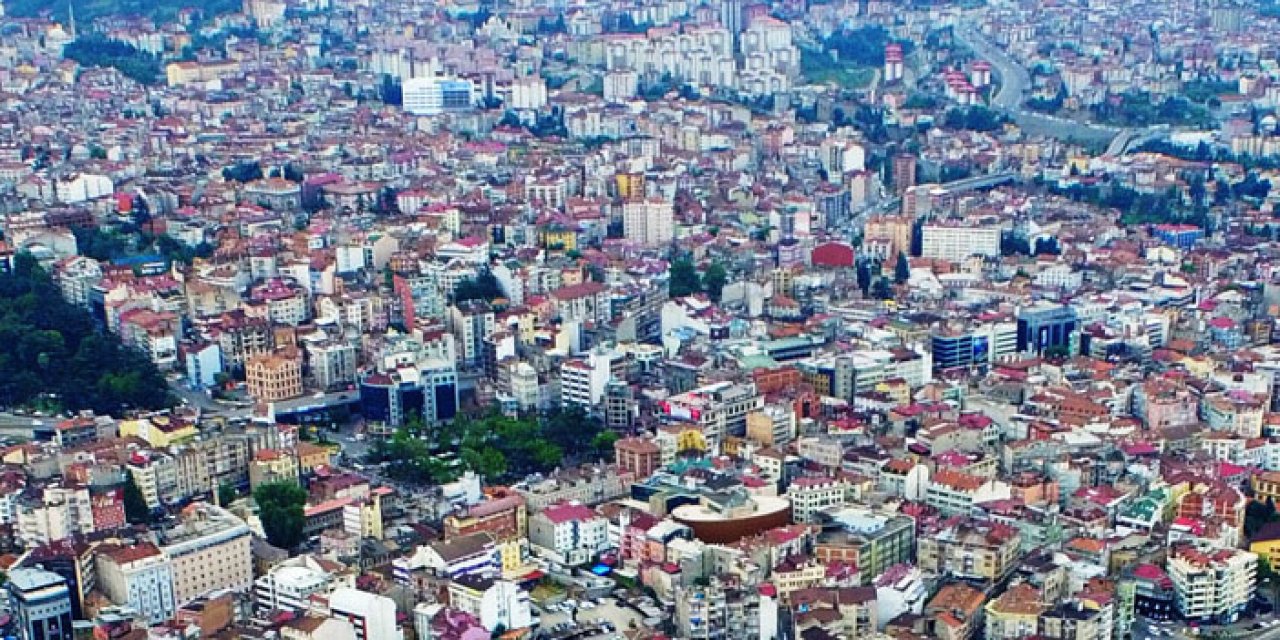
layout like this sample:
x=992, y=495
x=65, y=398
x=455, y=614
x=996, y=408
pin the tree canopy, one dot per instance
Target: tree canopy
x=863, y=46
x=135, y=504
x=714, y=279
x=50, y=349
x=495, y=446
x=97, y=51
x=280, y=507
x=684, y=278
x=483, y=287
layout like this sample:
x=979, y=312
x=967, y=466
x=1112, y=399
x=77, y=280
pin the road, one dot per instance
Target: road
x=1014, y=80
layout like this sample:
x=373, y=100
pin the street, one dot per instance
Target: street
x=1014, y=80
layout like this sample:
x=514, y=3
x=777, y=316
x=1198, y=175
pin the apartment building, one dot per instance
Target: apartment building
x=276, y=376
x=568, y=533
x=1015, y=614
x=648, y=222
x=970, y=549
x=588, y=484
x=372, y=615
x=289, y=585
x=497, y=603
x=869, y=540
x=41, y=604
x=720, y=409
x=1212, y=585
x=956, y=492
x=719, y=611
x=639, y=456
x=209, y=549
x=812, y=495
x=140, y=577
x=954, y=243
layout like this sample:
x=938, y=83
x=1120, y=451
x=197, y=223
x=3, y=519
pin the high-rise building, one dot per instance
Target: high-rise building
x=619, y=405
x=1046, y=325
x=140, y=577
x=434, y=96
x=209, y=549
x=1212, y=584
x=648, y=222
x=41, y=603
x=955, y=243
x=372, y=615
x=904, y=172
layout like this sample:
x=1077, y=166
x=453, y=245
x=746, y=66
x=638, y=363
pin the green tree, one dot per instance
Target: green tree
x=51, y=349
x=135, y=504
x=882, y=289
x=902, y=270
x=280, y=508
x=1257, y=514
x=603, y=443
x=227, y=494
x=487, y=462
x=714, y=279
x=684, y=278
x=864, y=277
x=484, y=286
x=97, y=51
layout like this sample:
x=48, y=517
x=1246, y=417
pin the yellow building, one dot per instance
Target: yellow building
x=270, y=465
x=1015, y=614
x=1266, y=543
x=511, y=552
x=691, y=440
x=275, y=376
x=631, y=185
x=364, y=517
x=898, y=390
x=557, y=237
x=158, y=430
x=1267, y=485
x=182, y=73
x=312, y=456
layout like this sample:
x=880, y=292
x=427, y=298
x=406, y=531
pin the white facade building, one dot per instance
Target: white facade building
x=955, y=243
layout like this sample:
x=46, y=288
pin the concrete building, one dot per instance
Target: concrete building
x=1047, y=325
x=289, y=585
x=437, y=95
x=568, y=533
x=373, y=616
x=41, y=604
x=497, y=603
x=721, y=409
x=721, y=611
x=812, y=495
x=276, y=376
x=209, y=549
x=956, y=492
x=955, y=243
x=272, y=465
x=649, y=222
x=970, y=550
x=471, y=322
x=640, y=456
x=1212, y=585
x=583, y=382
x=140, y=577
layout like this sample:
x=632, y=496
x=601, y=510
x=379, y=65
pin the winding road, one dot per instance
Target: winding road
x=1010, y=99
